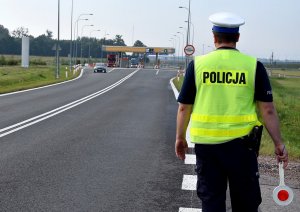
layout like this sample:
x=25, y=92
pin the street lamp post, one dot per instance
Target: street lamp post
x=76, y=33
x=97, y=30
x=193, y=31
x=188, y=28
x=178, y=49
x=71, y=40
x=103, y=42
x=172, y=40
x=189, y=20
x=81, y=39
x=183, y=28
x=175, y=47
x=182, y=43
x=175, y=44
x=188, y=23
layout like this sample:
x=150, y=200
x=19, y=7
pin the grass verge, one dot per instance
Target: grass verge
x=16, y=78
x=286, y=94
x=178, y=82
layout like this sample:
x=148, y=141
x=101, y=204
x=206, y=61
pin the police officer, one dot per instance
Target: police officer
x=219, y=97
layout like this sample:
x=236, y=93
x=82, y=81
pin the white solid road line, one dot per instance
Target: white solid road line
x=112, y=70
x=175, y=91
x=26, y=123
x=118, y=68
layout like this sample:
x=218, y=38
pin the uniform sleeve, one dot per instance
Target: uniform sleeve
x=188, y=89
x=263, y=90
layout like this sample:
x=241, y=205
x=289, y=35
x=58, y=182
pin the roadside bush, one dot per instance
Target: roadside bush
x=38, y=62
x=64, y=62
x=12, y=62
x=2, y=61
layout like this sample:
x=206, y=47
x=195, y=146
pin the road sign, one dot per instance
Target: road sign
x=54, y=47
x=282, y=194
x=189, y=50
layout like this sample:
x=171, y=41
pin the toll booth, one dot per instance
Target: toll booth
x=124, y=62
x=142, y=50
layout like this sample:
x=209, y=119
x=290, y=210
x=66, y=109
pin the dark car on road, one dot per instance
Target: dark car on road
x=134, y=62
x=100, y=67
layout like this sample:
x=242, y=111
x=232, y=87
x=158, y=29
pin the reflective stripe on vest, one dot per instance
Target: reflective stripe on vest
x=224, y=107
x=224, y=119
x=221, y=132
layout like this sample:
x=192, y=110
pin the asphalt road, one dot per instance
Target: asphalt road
x=110, y=151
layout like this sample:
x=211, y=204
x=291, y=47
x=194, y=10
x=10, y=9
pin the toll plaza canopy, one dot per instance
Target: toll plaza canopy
x=153, y=50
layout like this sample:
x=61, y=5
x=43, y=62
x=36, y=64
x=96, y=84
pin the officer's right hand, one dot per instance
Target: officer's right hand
x=282, y=154
x=181, y=148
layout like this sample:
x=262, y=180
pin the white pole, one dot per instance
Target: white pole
x=57, y=44
x=71, y=37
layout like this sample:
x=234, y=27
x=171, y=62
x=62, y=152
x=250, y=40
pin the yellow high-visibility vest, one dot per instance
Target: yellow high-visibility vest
x=224, y=107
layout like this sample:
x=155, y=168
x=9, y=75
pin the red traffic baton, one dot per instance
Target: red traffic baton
x=282, y=194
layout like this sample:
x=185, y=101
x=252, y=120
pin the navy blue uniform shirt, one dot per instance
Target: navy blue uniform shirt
x=263, y=90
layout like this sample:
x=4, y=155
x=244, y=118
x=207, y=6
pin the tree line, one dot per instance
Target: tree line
x=44, y=45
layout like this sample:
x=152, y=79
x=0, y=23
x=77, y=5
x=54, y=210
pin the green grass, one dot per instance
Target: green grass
x=16, y=78
x=178, y=82
x=286, y=94
x=287, y=72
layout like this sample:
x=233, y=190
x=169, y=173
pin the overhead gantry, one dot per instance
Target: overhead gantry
x=141, y=50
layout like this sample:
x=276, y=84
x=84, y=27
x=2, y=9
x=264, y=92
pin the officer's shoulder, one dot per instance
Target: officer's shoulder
x=191, y=65
x=259, y=63
x=190, y=68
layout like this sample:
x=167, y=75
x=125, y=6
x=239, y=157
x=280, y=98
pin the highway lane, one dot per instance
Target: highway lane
x=114, y=152
x=22, y=106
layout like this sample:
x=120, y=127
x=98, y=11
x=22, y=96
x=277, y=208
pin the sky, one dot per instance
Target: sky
x=270, y=25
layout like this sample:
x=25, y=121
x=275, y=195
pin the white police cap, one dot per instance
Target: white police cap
x=226, y=22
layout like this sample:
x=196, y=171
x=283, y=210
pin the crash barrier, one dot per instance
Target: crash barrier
x=77, y=68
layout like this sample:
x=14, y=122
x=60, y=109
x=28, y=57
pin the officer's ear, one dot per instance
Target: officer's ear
x=215, y=38
x=237, y=37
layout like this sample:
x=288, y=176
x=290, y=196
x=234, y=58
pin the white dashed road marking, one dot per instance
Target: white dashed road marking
x=189, y=182
x=189, y=210
x=190, y=159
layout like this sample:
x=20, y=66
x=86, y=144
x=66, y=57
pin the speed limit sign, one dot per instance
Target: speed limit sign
x=189, y=50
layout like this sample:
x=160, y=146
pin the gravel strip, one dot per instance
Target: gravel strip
x=268, y=166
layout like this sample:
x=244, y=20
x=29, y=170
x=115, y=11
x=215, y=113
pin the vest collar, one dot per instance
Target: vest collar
x=226, y=47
